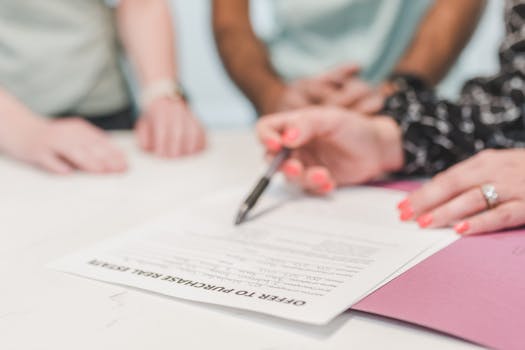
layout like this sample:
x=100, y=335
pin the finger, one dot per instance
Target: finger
x=52, y=163
x=352, y=92
x=144, y=135
x=316, y=91
x=191, y=135
x=293, y=170
x=160, y=126
x=443, y=187
x=507, y=215
x=339, y=75
x=318, y=180
x=201, y=139
x=297, y=128
x=460, y=207
x=81, y=159
x=269, y=130
x=305, y=126
x=198, y=139
x=177, y=135
x=370, y=105
x=111, y=157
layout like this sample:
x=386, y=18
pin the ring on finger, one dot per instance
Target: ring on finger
x=490, y=194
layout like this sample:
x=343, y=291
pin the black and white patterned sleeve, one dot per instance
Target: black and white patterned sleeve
x=489, y=114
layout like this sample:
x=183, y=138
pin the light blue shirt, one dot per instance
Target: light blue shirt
x=314, y=36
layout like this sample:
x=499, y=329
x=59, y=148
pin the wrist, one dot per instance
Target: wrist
x=270, y=97
x=390, y=143
x=160, y=90
x=164, y=101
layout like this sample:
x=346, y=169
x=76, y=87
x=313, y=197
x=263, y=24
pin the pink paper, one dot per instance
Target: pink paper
x=398, y=185
x=473, y=289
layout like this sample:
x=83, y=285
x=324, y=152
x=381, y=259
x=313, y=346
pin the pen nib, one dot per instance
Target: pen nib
x=241, y=215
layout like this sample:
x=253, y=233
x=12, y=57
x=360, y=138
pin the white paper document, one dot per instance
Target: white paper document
x=300, y=258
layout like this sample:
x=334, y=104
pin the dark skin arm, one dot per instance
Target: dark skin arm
x=441, y=36
x=244, y=55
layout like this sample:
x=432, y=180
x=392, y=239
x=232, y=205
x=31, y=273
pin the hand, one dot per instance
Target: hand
x=169, y=129
x=61, y=146
x=332, y=146
x=454, y=197
x=357, y=95
x=309, y=91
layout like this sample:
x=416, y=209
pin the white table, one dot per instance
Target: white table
x=44, y=217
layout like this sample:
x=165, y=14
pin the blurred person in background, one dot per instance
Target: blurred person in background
x=61, y=83
x=476, y=145
x=340, y=52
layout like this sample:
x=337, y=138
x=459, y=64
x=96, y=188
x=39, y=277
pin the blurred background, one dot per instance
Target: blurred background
x=220, y=105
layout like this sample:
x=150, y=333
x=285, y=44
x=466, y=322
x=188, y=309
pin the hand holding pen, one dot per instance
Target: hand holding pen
x=333, y=146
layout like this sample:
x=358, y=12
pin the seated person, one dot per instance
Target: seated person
x=340, y=52
x=418, y=134
x=60, y=82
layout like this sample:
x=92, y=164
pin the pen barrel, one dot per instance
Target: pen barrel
x=257, y=192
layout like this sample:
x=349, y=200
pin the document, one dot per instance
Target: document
x=301, y=258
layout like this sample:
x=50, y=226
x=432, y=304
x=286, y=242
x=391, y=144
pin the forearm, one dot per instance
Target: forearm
x=441, y=36
x=244, y=55
x=146, y=30
x=438, y=134
x=13, y=110
x=15, y=120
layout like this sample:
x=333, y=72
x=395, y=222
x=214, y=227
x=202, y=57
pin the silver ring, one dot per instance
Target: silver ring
x=490, y=194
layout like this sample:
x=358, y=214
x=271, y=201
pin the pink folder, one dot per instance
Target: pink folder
x=473, y=289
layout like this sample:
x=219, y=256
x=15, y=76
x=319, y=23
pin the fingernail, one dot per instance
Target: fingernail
x=327, y=187
x=406, y=214
x=403, y=204
x=462, y=227
x=290, y=135
x=319, y=178
x=291, y=170
x=425, y=220
x=273, y=145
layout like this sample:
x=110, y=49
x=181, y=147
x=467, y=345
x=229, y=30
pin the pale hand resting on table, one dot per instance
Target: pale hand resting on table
x=169, y=129
x=60, y=146
x=339, y=87
x=332, y=146
x=454, y=197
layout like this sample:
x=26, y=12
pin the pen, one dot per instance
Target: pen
x=258, y=190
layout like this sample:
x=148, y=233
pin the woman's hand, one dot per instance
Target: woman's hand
x=61, y=146
x=332, y=146
x=169, y=129
x=454, y=197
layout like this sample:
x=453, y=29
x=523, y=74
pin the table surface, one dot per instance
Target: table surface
x=44, y=217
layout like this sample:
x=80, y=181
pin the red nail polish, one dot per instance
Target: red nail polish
x=290, y=135
x=319, y=178
x=403, y=204
x=462, y=227
x=291, y=170
x=272, y=145
x=406, y=214
x=425, y=220
x=327, y=187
